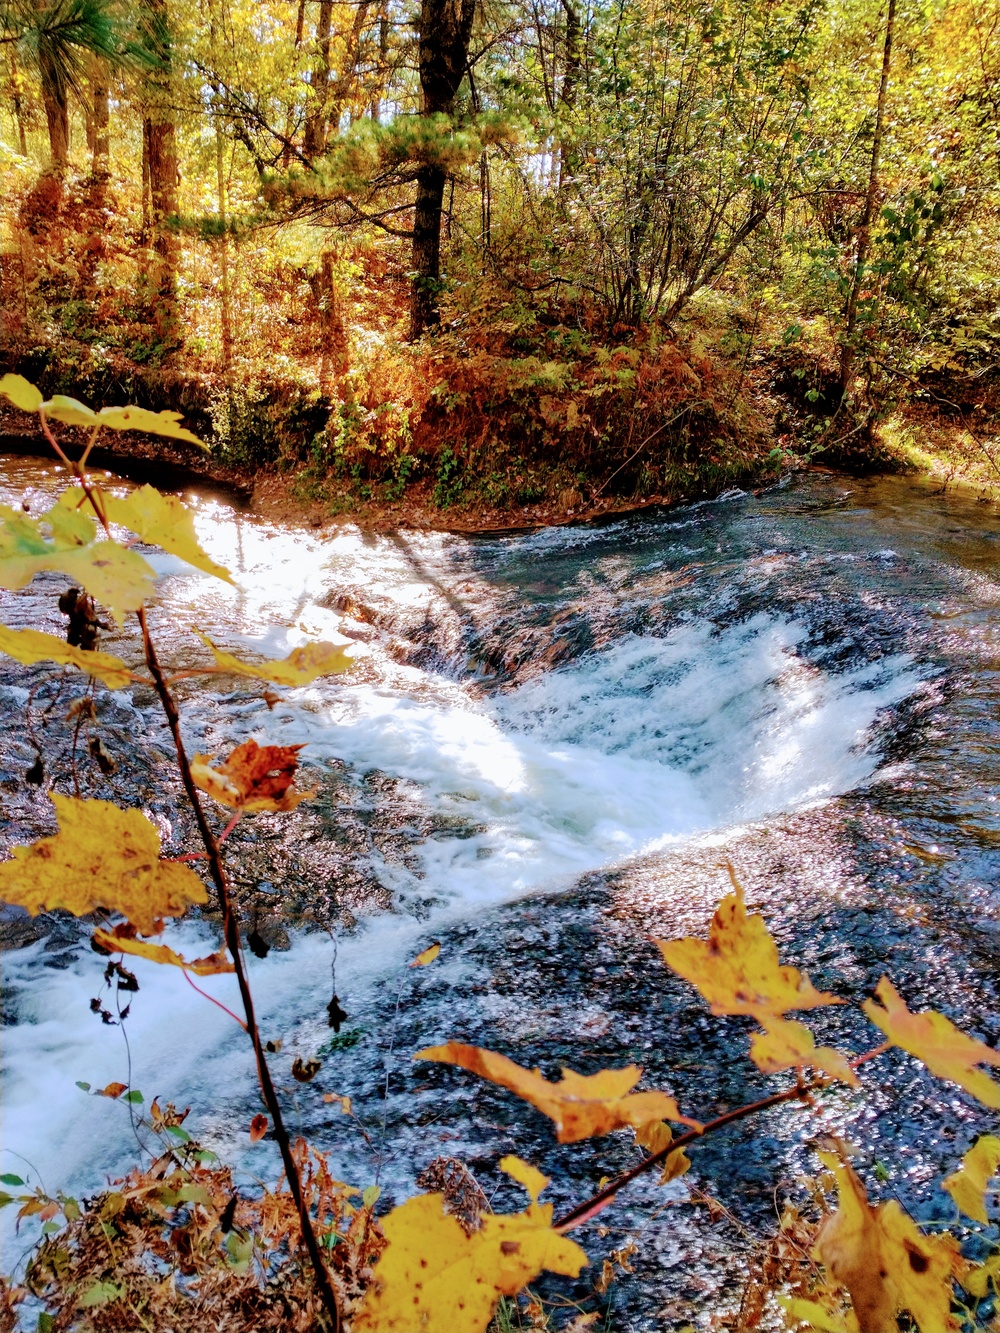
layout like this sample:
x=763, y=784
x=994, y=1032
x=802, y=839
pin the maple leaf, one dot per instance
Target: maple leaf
x=164, y=521
x=254, y=777
x=737, y=968
x=934, y=1039
x=885, y=1262
x=967, y=1185
x=71, y=412
x=21, y=393
x=102, y=856
x=655, y=1136
x=32, y=645
x=432, y=1276
x=123, y=940
x=581, y=1106
x=114, y=576
x=786, y=1044
x=302, y=665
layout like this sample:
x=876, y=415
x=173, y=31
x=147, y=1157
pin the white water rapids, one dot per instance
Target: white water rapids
x=646, y=742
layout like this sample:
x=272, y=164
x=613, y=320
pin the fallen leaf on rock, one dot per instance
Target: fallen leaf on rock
x=254, y=777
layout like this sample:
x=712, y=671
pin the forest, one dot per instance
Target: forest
x=498, y=676
x=460, y=252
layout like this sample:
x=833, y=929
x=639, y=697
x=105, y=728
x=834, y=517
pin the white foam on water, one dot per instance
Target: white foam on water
x=639, y=746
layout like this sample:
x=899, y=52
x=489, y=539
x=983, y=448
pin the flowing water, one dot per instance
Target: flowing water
x=550, y=745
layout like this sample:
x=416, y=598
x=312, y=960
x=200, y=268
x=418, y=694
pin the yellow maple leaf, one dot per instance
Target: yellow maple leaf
x=21, y=392
x=117, y=578
x=300, y=667
x=123, y=940
x=737, y=968
x=581, y=1106
x=886, y=1263
x=161, y=520
x=967, y=1185
x=254, y=777
x=102, y=856
x=656, y=1136
x=934, y=1039
x=786, y=1044
x=525, y=1174
x=71, y=412
x=32, y=645
x=433, y=1277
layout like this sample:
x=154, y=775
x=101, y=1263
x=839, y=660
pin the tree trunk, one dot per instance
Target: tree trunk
x=17, y=104
x=300, y=25
x=161, y=158
x=314, y=138
x=99, y=120
x=445, y=30
x=567, y=94
x=849, y=351
x=426, y=258
x=55, y=99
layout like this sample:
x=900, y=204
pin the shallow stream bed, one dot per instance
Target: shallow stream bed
x=549, y=748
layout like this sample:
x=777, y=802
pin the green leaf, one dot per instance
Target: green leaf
x=11, y=1180
x=49, y=1227
x=100, y=1293
x=84, y=1086
x=178, y=1132
x=21, y=393
x=46, y=1323
x=371, y=1196
x=5, y=1199
x=135, y=1097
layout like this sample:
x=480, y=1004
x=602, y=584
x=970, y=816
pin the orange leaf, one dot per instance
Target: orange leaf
x=112, y=1090
x=737, y=969
x=580, y=1105
x=934, y=1039
x=254, y=777
x=428, y=955
x=123, y=940
x=258, y=1128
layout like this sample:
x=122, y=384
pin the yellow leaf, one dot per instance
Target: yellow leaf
x=428, y=955
x=21, y=393
x=32, y=645
x=525, y=1174
x=151, y=423
x=967, y=1186
x=885, y=1262
x=981, y=1279
x=254, y=777
x=101, y=857
x=300, y=667
x=786, y=1044
x=433, y=1278
x=737, y=969
x=655, y=1137
x=161, y=520
x=581, y=1106
x=816, y=1316
x=934, y=1039
x=70, y=411
x=117, y=578
x=71, y=519
x=123, y=940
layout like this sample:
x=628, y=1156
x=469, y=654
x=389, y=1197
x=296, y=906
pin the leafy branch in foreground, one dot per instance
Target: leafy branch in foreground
x=425, y=1264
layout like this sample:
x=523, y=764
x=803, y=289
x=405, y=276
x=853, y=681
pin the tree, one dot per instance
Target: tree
x=445, y=31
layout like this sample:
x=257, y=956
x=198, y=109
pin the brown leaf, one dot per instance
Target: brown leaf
x=254, y=777
x=258, y=1128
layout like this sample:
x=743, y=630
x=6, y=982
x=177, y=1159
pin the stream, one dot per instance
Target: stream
x=550, y=746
